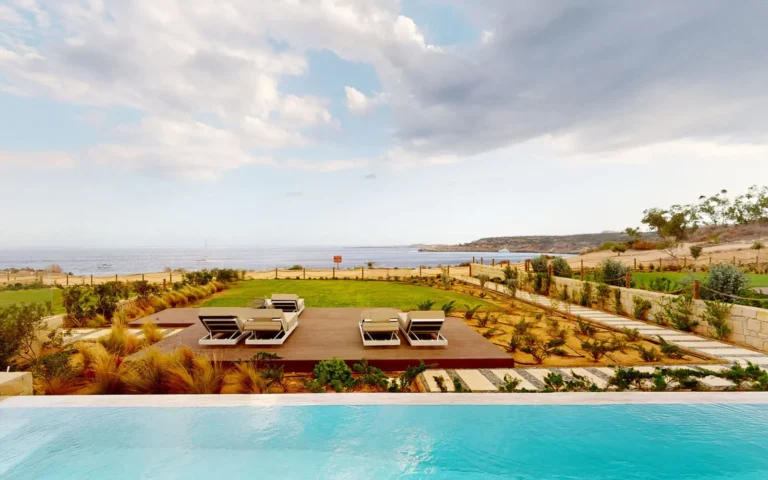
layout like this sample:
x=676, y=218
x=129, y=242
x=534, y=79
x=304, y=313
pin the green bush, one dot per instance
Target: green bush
x=641, y=307
x=612, y=272
x=296, y=268
x=560, y=268
x=334, y=373
x=539, y=264
x=723, y=281
x=716, y=316
x=21, y=325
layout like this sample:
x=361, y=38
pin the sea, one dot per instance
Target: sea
x=104, y=261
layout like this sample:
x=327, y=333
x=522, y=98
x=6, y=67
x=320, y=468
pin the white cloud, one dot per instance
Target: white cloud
x=50, y=159
x=359, y=104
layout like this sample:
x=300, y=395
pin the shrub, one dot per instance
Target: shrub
x=509, y=384
x=448, y=307
x=425, y=305
x=192, y=374
x=632, y=334
x=603, y=294
x=586, y=295
x=597, y=349
x=440, y=381
x=483, y=279
x=612, y=272
x=21, y=326
x=678, y=312
x=152, y=333
x=78, y=304
x=644, y=245
x=107, y=374
x=617, y=305
x=649, y=354
x=553, y=382
x=471, y=311
x=716, y=316
x=149, y=374
x=244, y=378
x=641, y=307
x=120, y=342
x=560, y=268
x=584, y=327
x=334, y=373
x=664, y=284
x=107, y=295
x=97, y=321
x=296, y=268
x=670, y=350
x=723, y=281
x=522, y=327
x=372, y=376
x=488, y=318
x=406, y=379
x=539, y=264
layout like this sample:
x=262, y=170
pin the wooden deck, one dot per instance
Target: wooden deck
x=324, y=333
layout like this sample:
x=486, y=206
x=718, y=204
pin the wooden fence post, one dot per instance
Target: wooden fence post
x=449, y=270
x=67, y=279
x=481, y=261
x=163, y=284
x=470, y=269
x=710, y=260
x=493, y=262
x=696, y=291
x=661, y=268
x=275, y=273
x=549, y=283
x=419, y=271
x=334, y=272
x=635, y=264
x=734, y=259
x=170, y=277
x=142, y=277
x=91, y=279
x=685, y=262
x=387, y=273
x=473, y=259
x=115, y=277
x=362, y=273
x=305, y=273
x=582, y=270
x=628, y=280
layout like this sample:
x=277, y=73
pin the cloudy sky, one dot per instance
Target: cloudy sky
x=369, y=122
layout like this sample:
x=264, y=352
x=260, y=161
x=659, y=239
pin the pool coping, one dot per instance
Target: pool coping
x=362, y=399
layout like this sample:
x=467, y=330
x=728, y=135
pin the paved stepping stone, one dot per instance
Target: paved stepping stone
x=476, y=381
x=762, y=361
x=716, y=383
x=524, y=383
x=678, y=336
x=430, y=375
x=714, y=368
x=607, y=371
x=586, y=373
x=538, y=373
x=729, y=351
x=700, y=344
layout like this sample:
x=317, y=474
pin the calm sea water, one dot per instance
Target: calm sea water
x=102, y=261
x=622, y=442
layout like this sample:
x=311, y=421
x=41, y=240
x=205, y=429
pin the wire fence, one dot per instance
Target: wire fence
x=394, y=273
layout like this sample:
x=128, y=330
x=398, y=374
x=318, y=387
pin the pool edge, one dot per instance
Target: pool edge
x=352, y=399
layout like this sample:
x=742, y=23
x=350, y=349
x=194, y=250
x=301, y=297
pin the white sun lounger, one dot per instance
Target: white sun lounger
x=287, y=302
x=222, y=330
x=422, y=328
x=378, y=328
x=270, y=326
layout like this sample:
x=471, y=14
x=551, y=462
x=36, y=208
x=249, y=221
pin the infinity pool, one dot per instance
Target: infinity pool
x=387, y=441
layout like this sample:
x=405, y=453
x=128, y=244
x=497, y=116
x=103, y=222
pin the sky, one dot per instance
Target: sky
x=369, y=122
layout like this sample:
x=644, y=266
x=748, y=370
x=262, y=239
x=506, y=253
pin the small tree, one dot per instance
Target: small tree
x=696, y=251
x=758, y=246
x=560, y=268
x=21, y=326
x=619, y=248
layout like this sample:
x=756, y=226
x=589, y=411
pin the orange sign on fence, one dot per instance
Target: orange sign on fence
x=337, y=259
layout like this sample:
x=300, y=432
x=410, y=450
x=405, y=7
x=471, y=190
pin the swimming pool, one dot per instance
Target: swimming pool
x=678, y=441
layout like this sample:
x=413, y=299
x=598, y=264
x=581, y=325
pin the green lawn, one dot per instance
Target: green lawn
x=341, y=293
x=8, y=297
x=646, y=277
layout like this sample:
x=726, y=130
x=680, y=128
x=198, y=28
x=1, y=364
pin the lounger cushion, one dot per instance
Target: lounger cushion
x=427, y=315
x=220, y=324
x=267, y=313
x=380, y=315
x=285, y=296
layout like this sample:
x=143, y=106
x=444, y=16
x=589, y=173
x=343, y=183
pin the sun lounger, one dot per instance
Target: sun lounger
x=222, y=330
x=422, y=328
x=270, y=326
x=378, y=328
x=286, y=302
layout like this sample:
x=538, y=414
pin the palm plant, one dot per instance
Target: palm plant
x=425, y=305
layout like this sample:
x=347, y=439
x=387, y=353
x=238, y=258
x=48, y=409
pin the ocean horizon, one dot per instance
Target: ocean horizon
x=106, y=261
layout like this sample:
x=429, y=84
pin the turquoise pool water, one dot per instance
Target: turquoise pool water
x=364, y=442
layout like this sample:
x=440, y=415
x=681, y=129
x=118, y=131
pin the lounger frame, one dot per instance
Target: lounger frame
x=286, y=305
x=423, y=332
x=278, y=338
x=370, y=341
x=227, y=325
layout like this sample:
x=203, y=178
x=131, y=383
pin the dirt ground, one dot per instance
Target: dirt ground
x=545, y=326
